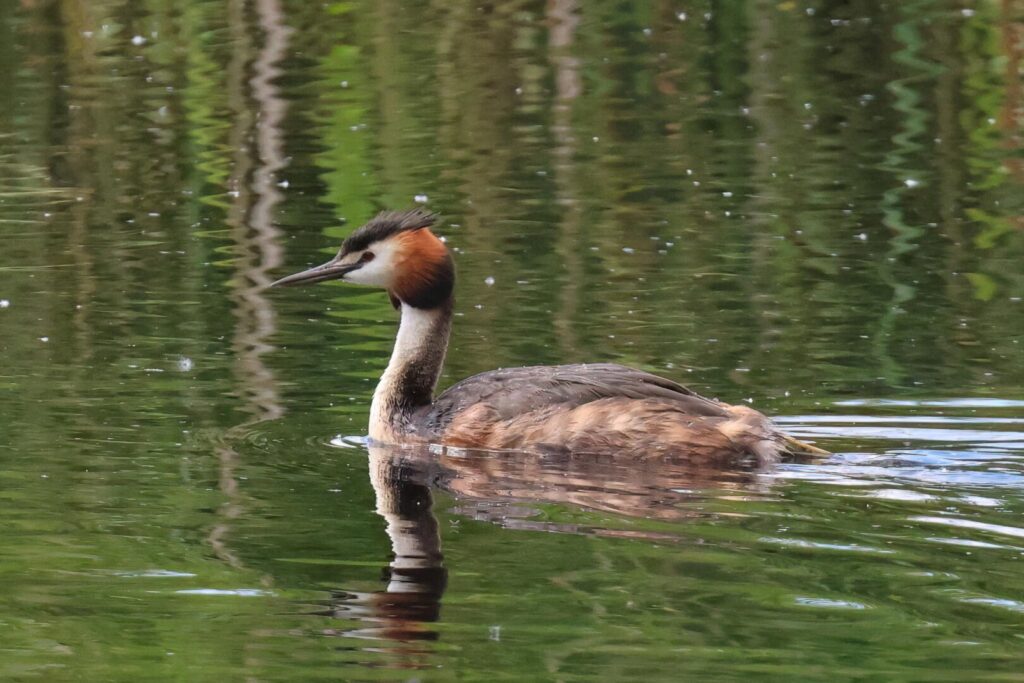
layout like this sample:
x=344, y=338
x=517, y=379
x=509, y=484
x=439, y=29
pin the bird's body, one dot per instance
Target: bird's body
x=591, y=408
x=586, y=408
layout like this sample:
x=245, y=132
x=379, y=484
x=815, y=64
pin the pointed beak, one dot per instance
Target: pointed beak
x=332, y=270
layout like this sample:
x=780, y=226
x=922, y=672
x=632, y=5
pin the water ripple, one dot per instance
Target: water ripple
x=933, y=403
x=959, y=523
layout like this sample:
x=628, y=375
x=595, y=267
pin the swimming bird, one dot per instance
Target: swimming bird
x=595, y=408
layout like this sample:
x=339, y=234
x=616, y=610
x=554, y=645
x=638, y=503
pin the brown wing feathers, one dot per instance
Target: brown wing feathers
x=595, y=408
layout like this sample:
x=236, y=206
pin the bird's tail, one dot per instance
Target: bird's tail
x=797, y=447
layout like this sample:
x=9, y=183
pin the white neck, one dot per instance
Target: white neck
x=408, y=382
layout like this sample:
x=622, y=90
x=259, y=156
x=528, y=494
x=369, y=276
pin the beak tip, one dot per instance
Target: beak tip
x=276, y=283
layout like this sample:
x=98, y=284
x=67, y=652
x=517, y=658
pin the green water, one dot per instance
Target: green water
x=812, y=207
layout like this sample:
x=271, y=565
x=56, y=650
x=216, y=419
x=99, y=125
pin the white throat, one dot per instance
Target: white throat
x=414, y=332
x=409, y=379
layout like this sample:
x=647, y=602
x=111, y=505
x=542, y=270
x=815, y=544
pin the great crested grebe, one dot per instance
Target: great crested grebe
x=598, y=408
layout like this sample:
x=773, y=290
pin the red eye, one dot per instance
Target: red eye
x=366, y=257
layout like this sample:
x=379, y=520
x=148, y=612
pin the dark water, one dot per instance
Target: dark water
x=816, y=208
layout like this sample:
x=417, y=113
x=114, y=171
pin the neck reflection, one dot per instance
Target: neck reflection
x=416, y=577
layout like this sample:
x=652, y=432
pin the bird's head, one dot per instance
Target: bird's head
x=395, y=251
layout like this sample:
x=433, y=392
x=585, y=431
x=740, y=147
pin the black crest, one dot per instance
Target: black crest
x=386, y=224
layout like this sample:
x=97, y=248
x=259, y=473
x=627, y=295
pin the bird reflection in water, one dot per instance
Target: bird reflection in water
x=415, y=578
x=502, y=488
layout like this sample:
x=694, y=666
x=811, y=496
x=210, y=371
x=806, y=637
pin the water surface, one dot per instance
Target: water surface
x=815, y=208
